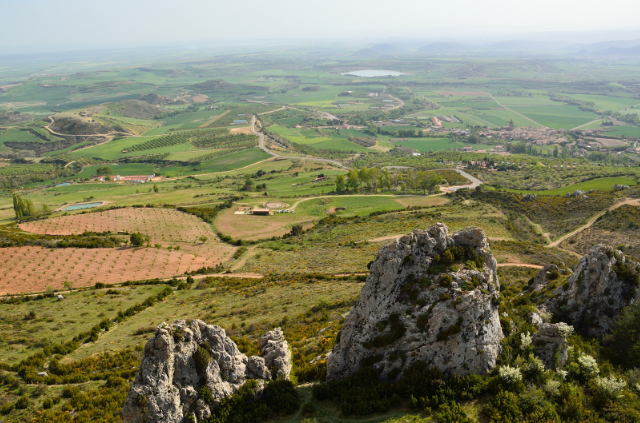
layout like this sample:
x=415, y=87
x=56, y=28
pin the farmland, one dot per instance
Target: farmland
x=36, y=269
x=165, y=226
x=342, y=164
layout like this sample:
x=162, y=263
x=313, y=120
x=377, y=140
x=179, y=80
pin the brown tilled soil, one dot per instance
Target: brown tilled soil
x=34, y=269
x=164, y=226
x=246, y=130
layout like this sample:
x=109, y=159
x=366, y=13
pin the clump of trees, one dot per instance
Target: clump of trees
x=374, y=179
x=24, y=208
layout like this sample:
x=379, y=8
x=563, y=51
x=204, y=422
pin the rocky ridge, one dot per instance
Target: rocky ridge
x=180, y=360
x=430, y=297
x=603, y=283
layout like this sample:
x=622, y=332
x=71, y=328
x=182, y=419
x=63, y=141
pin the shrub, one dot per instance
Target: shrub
x=137, y=240
x=623, y=344
x=202, y=357
x=445, y=280
x=23, y=403
x=503, y=408
x=451, y=413
x=281, y=397
x=588, y=365
x=609, y=387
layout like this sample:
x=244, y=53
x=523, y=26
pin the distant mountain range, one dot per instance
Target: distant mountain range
x=617, y=48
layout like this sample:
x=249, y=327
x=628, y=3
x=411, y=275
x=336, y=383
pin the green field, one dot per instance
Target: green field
x=123, y=170
x=605, y=184
x=557, y=116
x=427, y=145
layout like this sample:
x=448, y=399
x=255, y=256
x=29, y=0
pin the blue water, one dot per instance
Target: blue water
x=64, y=184
x=81, y=206
x=372, y=73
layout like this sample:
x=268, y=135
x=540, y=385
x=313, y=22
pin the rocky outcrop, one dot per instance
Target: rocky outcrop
x=529, y=197
x=179, y=361
x=429, y=297
x=603, y=283
x=276, y=354
x=550, y=344
x=576, y=193
x=617, y=187
x=548, y=273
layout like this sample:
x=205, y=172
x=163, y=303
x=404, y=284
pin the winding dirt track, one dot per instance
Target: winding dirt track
x=627, y=201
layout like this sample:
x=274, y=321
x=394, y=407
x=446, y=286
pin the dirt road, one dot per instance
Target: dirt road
x=627, y=201
x=266, y=150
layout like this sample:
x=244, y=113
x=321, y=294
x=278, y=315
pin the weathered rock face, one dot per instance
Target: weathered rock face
x=173, y=368
x=604, y=282
x=550, y=344
x=545, y=275
x=413, y=308
x=276, y=354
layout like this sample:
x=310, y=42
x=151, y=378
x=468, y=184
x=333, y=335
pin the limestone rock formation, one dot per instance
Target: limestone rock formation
x=529, y=197
x=545, y=275
x=179, y=360
x=275, y=351
x=604, y=282
x=550, y=344
x=429, y=297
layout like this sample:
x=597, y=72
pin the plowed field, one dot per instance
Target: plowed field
x=34, y=269
x=164, y=226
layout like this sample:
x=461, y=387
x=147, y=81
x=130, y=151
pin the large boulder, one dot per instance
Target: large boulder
x=603, y=283
x=179, y=360
x=429, y=297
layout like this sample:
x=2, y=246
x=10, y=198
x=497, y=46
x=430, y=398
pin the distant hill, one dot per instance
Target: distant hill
x=155, y=99
x=443, y=47
x=620, y=52
x=604, y=45
x=378, y=50
x=138, y=109
x=213, y=85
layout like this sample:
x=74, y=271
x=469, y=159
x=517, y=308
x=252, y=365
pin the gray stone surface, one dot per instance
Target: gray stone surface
x=165, y=388
x=595, y=293
x=550, y=344
x=275, y=351
x=469, y=315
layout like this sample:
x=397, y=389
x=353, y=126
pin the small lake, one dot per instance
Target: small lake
x=64, y=184
x=81, y=206
x=373, y=73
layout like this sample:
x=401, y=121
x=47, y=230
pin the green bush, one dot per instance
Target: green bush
x=202, y=357
x=451, y=413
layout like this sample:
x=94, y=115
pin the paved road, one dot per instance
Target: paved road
x=475, y=182
x=266, y=150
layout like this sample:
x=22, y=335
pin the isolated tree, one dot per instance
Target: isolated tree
x=137, y=240
x=155, y=188
x=203, y=239
x=340, y=183
x=296, y=230
x=104, y=171
x=248, y=183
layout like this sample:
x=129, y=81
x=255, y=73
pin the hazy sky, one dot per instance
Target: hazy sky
x=64, y=24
